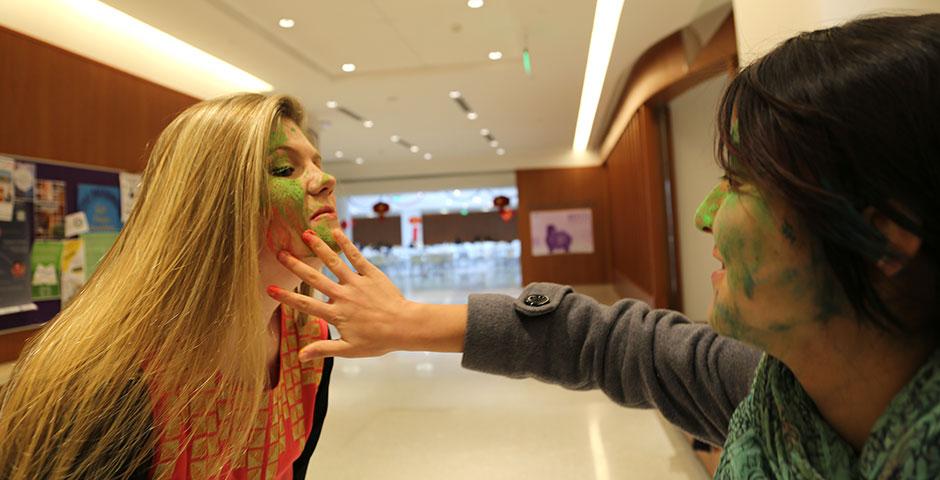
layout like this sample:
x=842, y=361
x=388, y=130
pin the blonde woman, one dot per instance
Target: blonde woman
x=173, y=362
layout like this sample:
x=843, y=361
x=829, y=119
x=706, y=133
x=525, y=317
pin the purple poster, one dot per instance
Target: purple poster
x=560, y=232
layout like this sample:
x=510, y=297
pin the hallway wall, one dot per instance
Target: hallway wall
x=553, y=189
x=61, y=106
x=695, y=173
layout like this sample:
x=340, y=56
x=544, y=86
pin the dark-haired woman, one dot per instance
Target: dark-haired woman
x=826, y=228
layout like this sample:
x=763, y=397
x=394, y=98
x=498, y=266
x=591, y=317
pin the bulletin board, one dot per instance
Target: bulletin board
x=73, y=175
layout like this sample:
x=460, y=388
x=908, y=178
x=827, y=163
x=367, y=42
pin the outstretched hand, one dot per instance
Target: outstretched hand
x=364, y=305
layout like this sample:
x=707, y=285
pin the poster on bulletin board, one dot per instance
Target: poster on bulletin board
x=102, y=206
x=45, y=269
x=15, y=290
x=560, y=232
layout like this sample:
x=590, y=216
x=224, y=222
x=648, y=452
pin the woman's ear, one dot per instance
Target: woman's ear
x=901, y=241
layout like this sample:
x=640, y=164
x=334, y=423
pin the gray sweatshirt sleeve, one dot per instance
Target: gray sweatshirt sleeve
x=638, y=356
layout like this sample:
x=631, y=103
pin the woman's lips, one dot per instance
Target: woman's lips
x=324, y=213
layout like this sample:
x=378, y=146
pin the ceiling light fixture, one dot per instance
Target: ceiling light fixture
x=496, y=55
x=500, y=151
x=472, y=115
x=428, y=156
x=474, y=3
x=110, y=36
x=606, y=20
x=454, y=94
x=359, y=161
x=484, y=131
x=338, y=154
x=394, y=138
x=349, y=67
x=414, y=149
x=331, y=104
x=368, y=124
x=494, y=143
x=286, y=23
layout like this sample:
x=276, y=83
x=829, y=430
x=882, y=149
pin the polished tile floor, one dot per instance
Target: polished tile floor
x=421, y=416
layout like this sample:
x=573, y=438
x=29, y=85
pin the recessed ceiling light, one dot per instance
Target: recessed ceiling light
x=428, y=156
x=349, y=67
x=359, y=161
x=472, y=115
x=484, y=131
x=338, y=154
x=500, y=151
x=331, y=104
x=286, y=23
x=454, y=94
x=414, y=149
x=368, y=124
x=494, y=143
x=474, y=3
x=394, y=138
x=496, y=55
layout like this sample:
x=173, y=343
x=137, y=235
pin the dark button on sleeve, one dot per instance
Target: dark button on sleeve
x=536, y=300
x=540, y=299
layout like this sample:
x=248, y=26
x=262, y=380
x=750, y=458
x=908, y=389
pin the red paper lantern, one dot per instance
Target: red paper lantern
x=380, y=209
x=506, y=214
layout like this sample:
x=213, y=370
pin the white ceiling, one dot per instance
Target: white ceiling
x=410, y=54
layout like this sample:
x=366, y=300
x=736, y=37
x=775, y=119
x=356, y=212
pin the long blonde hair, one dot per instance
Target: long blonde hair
x=173, y=304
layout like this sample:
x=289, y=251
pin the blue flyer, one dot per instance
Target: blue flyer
x=102, y=206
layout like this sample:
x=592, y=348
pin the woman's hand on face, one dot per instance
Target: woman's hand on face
x=364, y=306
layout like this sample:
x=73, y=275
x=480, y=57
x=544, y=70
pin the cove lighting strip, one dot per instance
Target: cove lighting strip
x=606, y=20
x=110, y=36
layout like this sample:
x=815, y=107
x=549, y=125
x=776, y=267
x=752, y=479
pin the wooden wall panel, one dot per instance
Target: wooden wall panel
x=637, y=208
x=377, y=231
x=62, y=106
x=558, y=189
x=468, y=228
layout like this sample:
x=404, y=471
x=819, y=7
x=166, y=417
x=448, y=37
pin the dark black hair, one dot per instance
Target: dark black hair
x=839, y=120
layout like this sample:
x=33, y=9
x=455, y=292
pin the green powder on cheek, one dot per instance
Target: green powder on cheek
x=325, y=232
x=287, y=197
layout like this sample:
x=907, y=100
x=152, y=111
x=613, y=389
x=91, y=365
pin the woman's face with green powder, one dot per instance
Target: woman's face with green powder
x=773, y=278
x=301, y=194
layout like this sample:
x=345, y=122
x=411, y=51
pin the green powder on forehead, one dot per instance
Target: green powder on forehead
x=277, y=140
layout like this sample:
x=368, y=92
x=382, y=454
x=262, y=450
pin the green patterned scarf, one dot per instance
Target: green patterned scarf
x=777, y=433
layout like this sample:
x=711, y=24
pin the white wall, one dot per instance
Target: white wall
x=695, y=174
x=762, y=24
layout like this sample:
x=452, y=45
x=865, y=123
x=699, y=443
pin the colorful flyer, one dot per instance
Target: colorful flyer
x=49, y=209
x=45, y=266
x=72, y=268
x=96, y=247
x=102, y=205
